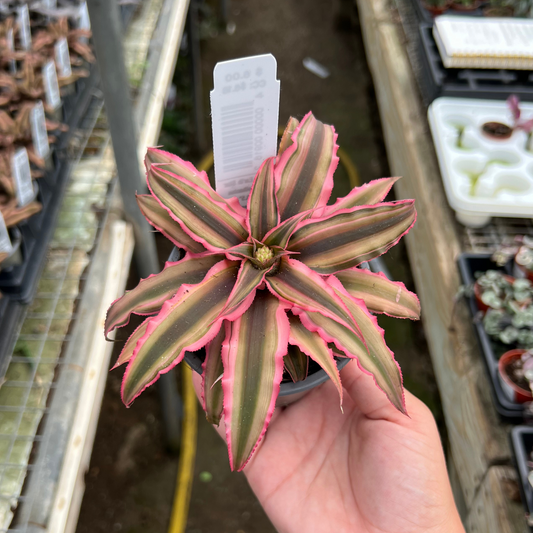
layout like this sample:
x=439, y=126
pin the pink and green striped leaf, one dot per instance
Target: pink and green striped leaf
x=180, y=168
x=159, y=218
x=374, y=360
x=212, y=396
x=304, y=172
x=127, y=351
x=203, y=219
x=312, y=344
x=280, y=235
x=286, y=138
x=188, y=321
x=380, y=294
x=253, y=368
x=302, y=288
x=151, y=293
x=368, y=194
x=262, y=203
x=344, y=240
x=248, y=279
x=296, y=363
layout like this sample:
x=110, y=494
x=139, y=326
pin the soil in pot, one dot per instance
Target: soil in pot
x=497, y=130
x=505, y=11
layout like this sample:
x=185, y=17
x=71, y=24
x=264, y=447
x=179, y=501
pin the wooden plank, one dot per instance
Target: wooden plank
x=115, y=253
x=477, y=438
x=495, y=507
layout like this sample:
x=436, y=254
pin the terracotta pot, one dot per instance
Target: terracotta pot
x=477, y=293
x=515, y=392
x=461, y=7
x=437, y=10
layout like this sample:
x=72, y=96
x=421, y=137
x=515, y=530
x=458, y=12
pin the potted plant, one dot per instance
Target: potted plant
x=499, y=8
x=282, y=272
x=515, y=369
x=520, y=248
x=466, y=5
x=492, y=289
x=437, y=7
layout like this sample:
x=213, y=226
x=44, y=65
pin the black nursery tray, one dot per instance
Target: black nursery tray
x=426, y=16
x=468, y=265
x=19, y=282
x=522, y=445
x=10, y=314
x=436, y=80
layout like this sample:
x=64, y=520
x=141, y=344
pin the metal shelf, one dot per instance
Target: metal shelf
x=50, y=400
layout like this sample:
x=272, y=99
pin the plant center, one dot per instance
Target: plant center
x=264, y=254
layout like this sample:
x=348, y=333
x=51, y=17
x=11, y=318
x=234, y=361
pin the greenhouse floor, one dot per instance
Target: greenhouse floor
x=131, y=481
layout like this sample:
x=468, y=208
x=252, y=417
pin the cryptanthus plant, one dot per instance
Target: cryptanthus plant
x=265, y=288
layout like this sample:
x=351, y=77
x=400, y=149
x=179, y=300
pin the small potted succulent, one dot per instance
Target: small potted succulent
x=515, y=369
x=268, y=286
x=466, y=5
x=437, y=7
x=492, y=288
x=510, y=317
x=520, y=247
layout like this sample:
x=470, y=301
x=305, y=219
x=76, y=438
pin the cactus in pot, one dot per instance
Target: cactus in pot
x=264, y=287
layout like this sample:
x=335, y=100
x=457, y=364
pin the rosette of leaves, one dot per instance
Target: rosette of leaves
x=265, y=288
x=510, y=319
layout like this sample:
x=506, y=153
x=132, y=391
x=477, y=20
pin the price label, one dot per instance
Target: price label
x=20, y=167
x=39, y=134
x=51, y=86
x=23, y=17
x=5, y=241
x=63, y=58
x=84, y=22
x=11, y=47
x=244, y=110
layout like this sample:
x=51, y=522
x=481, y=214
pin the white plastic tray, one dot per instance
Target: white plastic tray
x=483, y=177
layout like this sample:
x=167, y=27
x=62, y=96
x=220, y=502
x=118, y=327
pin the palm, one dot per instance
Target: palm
x=370, y=469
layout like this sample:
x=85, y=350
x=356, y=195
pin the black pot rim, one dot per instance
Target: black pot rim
x=194, y=360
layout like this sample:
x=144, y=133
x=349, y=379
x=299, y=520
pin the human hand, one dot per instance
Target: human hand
x=369, y=470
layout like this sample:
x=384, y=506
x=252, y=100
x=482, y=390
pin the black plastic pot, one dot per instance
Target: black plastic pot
x=522, y=445
x=289, y=391
x=468, y=265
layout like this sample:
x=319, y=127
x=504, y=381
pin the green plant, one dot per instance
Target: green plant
x=510, y=317
x=254, y=281
x=521, y=247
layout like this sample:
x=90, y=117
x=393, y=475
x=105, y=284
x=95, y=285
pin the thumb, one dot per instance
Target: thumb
x=366, y=395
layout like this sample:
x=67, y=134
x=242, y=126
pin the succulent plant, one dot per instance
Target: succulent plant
x=510, y=317
x=268, y=286
x=519, y=246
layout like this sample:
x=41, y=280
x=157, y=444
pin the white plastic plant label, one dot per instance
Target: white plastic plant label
x=5, y=241
x=51, y=86
x=20, y=167
x=84, y=22
x=244, y=111
x=10, y=38
x=63, y=58
x=38, y=130
x=23, y=18
x=50, y=4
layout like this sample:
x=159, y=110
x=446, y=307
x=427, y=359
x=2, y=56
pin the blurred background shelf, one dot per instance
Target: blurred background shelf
x=59, y=354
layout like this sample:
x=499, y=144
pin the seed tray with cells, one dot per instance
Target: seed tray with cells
x=483, y=176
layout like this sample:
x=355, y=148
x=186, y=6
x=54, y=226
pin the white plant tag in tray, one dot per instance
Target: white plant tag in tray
x=10, y=38
x=63, y=58
x=23, y=19
x=20, y=167
x=84, y=22
x=51, y=86
x=38, y=130
x=5, y=241
x=244, y=109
